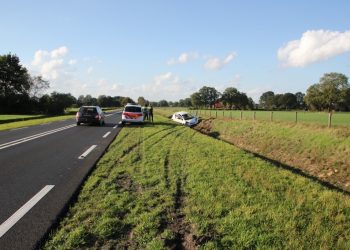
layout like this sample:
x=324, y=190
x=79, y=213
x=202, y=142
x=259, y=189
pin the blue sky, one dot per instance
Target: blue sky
x=169, y=49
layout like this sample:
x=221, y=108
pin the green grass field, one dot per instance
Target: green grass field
x=164, y=186
x=319, y=118
x=12, y=117
x=32, y=122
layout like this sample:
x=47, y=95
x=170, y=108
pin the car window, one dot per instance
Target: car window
x=187, y=116
x=88, y=110
x=132, y=109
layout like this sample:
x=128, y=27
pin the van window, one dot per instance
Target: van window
x=132, y=109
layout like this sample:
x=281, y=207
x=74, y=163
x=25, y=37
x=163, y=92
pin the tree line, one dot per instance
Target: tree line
x=331, y=93
x=23, y=93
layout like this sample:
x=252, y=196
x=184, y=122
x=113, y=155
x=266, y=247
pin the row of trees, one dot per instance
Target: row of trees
x=331, y=93
x=271, y=101
x=22, y=93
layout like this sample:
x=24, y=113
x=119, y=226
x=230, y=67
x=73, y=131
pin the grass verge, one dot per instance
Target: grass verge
x=320, y=152
x=165, y=186
x=20, y=124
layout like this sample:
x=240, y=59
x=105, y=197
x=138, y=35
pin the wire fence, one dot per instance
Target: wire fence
x=322, y=118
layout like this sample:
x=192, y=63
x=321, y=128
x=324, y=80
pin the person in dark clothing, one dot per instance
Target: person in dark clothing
x=150, y=113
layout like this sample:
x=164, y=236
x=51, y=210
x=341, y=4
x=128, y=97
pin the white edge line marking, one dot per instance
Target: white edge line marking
x=107, y=134
x=87, y=152
x=116, y=126
x=18, y=128
x=10, y=222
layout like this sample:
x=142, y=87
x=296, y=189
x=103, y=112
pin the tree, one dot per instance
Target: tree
x=15, y=83
x=187, y=102
x=300, y=100
x=141, y=101
x=38, y=85
x=231, y=97
x=289, y=101
x=267, y=100
x=59, y=102
x=125, y=100
x=163, y=103
x=208, y=95
x=102, y=101
x=333, y=87
x=196, y=100
x=330, y=93
x=313, y=97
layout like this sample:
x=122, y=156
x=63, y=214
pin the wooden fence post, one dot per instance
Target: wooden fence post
x=296, y=117
x=223, y=113
x=241, y=115
x=231, y=114
x=271, y=116
x=254, y=115
x=329, y=119
x=216, y=114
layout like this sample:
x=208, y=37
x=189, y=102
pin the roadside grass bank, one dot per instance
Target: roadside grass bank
x=13, y=118
x=320, y=152
x=316, y=150
x=32, y=122
x=165, y=186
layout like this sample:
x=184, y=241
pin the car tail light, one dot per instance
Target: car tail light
x=97, y=117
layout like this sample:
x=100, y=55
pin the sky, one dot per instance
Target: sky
x=163, y=49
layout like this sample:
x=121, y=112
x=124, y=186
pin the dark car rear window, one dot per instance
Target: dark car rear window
x=133, y=109
x=88, y=110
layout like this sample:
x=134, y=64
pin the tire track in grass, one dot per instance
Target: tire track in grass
x=182, y=230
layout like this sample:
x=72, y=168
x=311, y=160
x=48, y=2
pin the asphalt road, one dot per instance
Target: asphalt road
x=41, y=168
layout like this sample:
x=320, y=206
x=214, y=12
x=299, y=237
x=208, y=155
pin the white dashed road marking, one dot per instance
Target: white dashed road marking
x=83, y=156
x=107, y=134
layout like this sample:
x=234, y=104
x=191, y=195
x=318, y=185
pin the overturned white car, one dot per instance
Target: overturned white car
x=184, y=118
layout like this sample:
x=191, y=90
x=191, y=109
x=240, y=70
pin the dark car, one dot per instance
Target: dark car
x=91, y=115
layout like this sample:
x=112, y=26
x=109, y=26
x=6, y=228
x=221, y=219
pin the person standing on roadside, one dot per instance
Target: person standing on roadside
x=151, y=113
x=146, y=112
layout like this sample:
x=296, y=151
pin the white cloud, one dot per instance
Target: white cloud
x=166, y=86
x=314, y=46
x=183, y=58
x=216, y=63
x=72, y=62
x=89, y=70
x=39, y=56
x=59, y=52
x=50, y=69
x=50, y=64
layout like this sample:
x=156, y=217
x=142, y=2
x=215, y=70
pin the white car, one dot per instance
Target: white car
x=184, y=118
x=132, y=113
